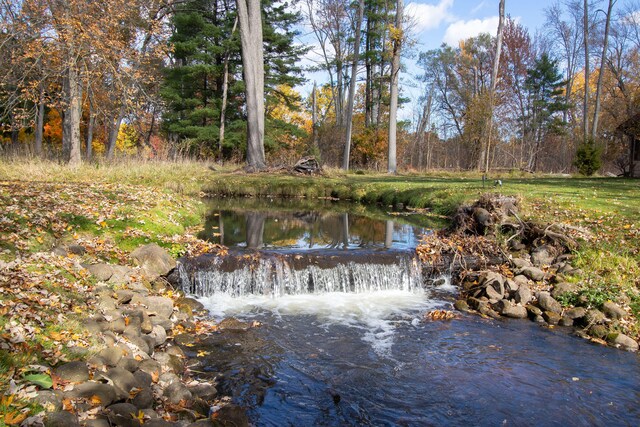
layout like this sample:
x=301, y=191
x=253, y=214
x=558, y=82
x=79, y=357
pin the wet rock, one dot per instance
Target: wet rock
x=624, y=342
x=461, y=305
x=195, y=305
x=233, y=325
x=73, y=371
x=566, y=321
x=205, y=392
x=523, y=294
x=184, y=339
x=154, y=260
x=551, y=317
x=613, y=310
x=543, y=255
x=50, y=400
x=203, y=423
x=488, y=311
x=143, y=400
x=547, y=303
x=177, y=392
x=563, y=288
x=509, y=309
x=231, y=415
x=598, y=331
x=159, y=335
x=533, y=273
x=539, y=319
x=105, y=393
x=576, y=313
x=61, y=419
x=102, y=272
x=476, y=303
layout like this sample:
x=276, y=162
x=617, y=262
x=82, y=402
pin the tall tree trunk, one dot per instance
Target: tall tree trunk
x=72, y=116
x=484, y=154
x=113, y=133
x=90, y=126
x=352, y=87
x=40, y=124
x=250, y=20
x=225, y=92
x=605, y=45
x=585, y=112
x=393, y=105
x=314, y=121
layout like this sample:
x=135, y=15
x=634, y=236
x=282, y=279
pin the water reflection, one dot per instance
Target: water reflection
x=262, y=228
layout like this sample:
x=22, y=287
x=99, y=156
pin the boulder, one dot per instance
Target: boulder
x=563, y=288
x=161, y=307
x=533, y=273
x=159, y=335
x=613, y=310
x=509, y=309
x=151, y=367
x=521, y=262
x=121, y=275
x=50, y=400
x=105, y=393
x=143, y=400
x=624, y=342
x=547, y=303
x=143, y=379
x=551, y=317
x=598, y=331
x=102, y=272
x=543, y=255
x=73, y=371
x=122, y=380
x=233, y=325
x=483, y=220
x=204, y=391
x=566, y=321
x=493, y=295
x=177, y=392
x=154, y=260
x=122, y=414
x=461, y=305
x=192, y=303
x=123, y=296
x=61, y=419
x=231, y=415
x=523, y=294
x=594, y=317
x=576, y=313
x=521, y=280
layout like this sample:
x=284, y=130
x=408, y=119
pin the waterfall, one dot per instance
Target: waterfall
x=278, y=276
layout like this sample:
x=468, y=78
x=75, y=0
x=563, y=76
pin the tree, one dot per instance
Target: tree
x=352, y=86
x=396, y=40
x=603, y=60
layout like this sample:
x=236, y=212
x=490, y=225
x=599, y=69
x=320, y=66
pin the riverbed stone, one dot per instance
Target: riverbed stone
x=521, y=262
x=151, y=367
x=594, y=316
x=523, y=294
x=533, y=310
x=159, y=335
x=155, y=260
x=509, y=309
x=159, y=422
x=123, y=296
x=169, y=362
x=551, y=317
x=494, y=280
x=461, y=305
x=563, y=288
x=143, y=399
x=533, y=273
x=547, y=303
x=168, y=378
x=122, y=415
x=613, y=310
x=76, y=371
x=128, y=363
x=177, y=392
x=176, y=351
x=624, y=342
x=105, y=393
x=50, y=400
x=123, y=381
x=232, y=415
x=233, y=325
x=576, y=312
x=510, y=286
x=493, y=295
x=161, y=307
x=61, y=419
x=598, y=331
x=165, y=323
x=143, y=379
x=566, y=321
x=206, y=392
x=521, y=280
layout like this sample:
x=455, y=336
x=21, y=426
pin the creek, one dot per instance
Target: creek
x=344, y=341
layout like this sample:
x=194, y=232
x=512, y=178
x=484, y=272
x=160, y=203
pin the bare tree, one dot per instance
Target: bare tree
x=397, y=37
x=603, y=60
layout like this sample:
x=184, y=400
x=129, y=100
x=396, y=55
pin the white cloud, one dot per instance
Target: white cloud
x=428, y=16
x=462, y=30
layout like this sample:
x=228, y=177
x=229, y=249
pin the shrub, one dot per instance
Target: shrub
x=588, y=159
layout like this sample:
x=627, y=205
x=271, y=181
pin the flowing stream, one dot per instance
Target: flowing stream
x=344, y=340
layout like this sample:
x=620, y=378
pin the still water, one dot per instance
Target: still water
x=357, y=350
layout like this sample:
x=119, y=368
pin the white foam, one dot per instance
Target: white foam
x=375, y=312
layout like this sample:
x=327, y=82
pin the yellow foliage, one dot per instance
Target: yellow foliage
x=127, y=140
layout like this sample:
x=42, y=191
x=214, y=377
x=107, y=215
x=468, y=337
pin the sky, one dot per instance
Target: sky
x=448, y=21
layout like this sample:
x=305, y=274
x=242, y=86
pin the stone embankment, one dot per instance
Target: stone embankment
x=538, y=280
x=138, y=375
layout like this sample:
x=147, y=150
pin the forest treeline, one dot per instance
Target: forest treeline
x=164, y=78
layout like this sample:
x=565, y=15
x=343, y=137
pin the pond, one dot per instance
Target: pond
x=344, y=340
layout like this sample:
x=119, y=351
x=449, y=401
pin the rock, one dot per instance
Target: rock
x=623, y=341
x=117, y=325
x=192, y=303
x=533, y=310
x=61, y=419
x=551, y=317
x=566, y=321
x=73, y=372
x=493, y=295
x=477, y=303
x=177, y=392
x=521, y=262
x=510, y=286
x=167, y=379
x=143, y=400
x=122, y=380
x=231, y=415
x=110, y=355
x=523, y=294
x=461, y=305
x=488, y=311
x=159, y=422
x=613, y=310
x=106, y=303
x=143, y=379
x=122, y=414
x=594, y=317
x=576, y=313
x=165, y=323
x=565, y=268
x=598, y=331
x=184, y=339
x=50, y=400
x=563, y=288
x=161, y=307
x=123, y=296
x=169, y=362
x=547, y=303
x=495, y=280
x=516, y=246
x=521, y=280
x=483, y=219
x=105, y=393
x=138, y=344
x=176, y=351
x=233, y=325
x=129, y=363
x=98, y=422
x=151, y=367
x=509, y=309
x=539, y=319
x=204, y=391
x=76, y=249
x=159, y=335
x=102, y=272
x=533, y=273
x=121, y=275
x=154, y=260
x=203, y=423
x=543, y=255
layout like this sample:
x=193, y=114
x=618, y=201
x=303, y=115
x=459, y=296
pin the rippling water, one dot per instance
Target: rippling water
x=371, y=359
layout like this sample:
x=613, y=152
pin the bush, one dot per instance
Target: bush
x=588, y=158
